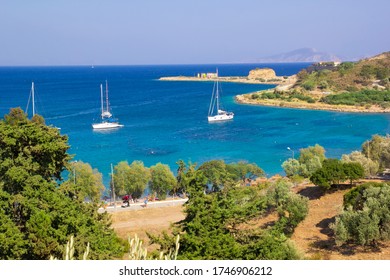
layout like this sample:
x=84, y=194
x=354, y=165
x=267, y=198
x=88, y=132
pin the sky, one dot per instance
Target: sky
x=134, y=32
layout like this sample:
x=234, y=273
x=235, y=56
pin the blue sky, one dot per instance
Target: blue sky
x=126, y=32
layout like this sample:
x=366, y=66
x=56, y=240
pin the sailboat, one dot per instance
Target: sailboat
x=32, y=96
x=216, y=114
x=107, y=120
x=32, y=99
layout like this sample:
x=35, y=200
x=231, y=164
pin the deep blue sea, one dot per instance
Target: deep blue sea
x=167, y=121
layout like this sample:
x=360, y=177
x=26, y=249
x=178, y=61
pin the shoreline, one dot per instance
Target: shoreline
x=281, y=83
x=245, y=99
x=231, y=79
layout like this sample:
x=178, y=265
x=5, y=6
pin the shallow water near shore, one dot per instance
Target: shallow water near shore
x=167, y=121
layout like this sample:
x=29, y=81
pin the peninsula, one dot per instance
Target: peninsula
x=362, y=86
x=256, y=76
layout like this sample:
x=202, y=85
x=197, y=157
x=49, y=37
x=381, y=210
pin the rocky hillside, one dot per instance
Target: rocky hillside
x=362, y=86
x=371, y=73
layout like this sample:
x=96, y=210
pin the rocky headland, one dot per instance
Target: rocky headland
x=255, y=76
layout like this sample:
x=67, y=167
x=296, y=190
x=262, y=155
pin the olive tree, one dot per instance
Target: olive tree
x=84, y=183
x=162, y=180
x=131, y=179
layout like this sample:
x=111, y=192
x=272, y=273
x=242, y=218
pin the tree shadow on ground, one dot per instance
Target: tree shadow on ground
x=312, y=192
x=316, y=192
x=324, y=226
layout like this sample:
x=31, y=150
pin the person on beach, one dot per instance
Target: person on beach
x=146, y=200
x=126, y=201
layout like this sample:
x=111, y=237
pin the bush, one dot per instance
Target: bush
x=309, y=85
x=358, y=97
x=333, y=172
x=367, y=218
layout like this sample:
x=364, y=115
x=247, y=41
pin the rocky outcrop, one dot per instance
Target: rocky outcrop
x=262, y=74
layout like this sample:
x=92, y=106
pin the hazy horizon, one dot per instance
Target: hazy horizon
x=173, y=32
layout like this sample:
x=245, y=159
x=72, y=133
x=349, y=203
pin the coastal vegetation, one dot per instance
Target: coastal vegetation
x=37, y=215
x=131, y=179
x=312, y=163
x=366, y=216
x=232, y=211
x=349, y=86
x=222, y=224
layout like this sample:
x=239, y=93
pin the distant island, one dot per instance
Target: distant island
x=362, y=86
x=300, y=55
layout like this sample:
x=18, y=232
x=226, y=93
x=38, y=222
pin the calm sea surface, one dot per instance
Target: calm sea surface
x=167, y=121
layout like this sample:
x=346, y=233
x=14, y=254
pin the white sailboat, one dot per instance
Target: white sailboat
x=32, y=96
x=216, y=114
x=32, y=99
x=107, y=121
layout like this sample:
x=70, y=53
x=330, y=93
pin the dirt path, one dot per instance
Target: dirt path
x=314, y=237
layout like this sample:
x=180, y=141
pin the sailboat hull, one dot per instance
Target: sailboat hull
x=106, y=125
x=220, y=118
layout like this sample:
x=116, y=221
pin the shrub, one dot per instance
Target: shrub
x=309, y=85
x=367, y=221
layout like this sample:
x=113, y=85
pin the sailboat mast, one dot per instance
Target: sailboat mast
x=101, y=97
x=107, y=96
x=217, y=94
x=33, y=98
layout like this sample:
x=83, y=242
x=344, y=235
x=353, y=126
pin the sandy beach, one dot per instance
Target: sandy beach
x=245, y=99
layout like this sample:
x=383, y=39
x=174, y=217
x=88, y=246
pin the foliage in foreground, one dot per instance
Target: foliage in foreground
x=366, y=219
x=217, y=225
x=36, y=215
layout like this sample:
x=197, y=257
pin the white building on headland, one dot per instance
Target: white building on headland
x=207, y=75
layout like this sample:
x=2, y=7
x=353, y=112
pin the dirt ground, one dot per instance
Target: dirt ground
x=312, y=236
x=152, y=220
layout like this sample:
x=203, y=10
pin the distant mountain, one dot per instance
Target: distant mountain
x=301, y=55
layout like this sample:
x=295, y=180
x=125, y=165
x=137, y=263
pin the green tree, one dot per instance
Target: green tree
x=311, y=159
x=323, y=85
x=216, y=173
x=291, y=208
x=370, y=167
x=367, y=71
x=353, y=171
x=162, y=180
x=369, y=222
x=84, y=183
x=16, y=116
x=330, y=174
x=184, y=174
x=36, y=217
x=244, y=171
x=291, y=167
x=38, y=119
x=131, y=179
x=378, y=150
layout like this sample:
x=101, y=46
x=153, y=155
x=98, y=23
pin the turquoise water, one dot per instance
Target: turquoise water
x=167, y=121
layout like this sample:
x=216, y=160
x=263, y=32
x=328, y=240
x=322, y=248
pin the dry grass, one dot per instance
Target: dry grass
x=152, y=220
x=312, y=236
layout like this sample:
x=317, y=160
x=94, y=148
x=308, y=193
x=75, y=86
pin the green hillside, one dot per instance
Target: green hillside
x=362, y=86
x=371, y=73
